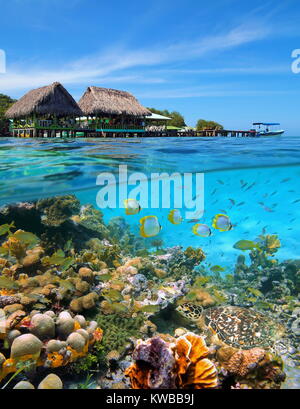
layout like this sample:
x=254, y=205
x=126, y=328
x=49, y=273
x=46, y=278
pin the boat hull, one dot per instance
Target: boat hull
x=271, y=133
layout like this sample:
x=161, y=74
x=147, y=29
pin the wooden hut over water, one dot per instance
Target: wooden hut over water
x=112, y=112
x=45, y=111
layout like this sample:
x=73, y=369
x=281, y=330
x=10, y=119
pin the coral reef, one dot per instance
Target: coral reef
x=180, y=364
x=46, y=339
x=76, y=294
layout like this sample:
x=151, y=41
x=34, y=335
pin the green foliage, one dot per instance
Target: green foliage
x=86, y=384
x=203, y=124
x=177, y=118
x=95, y=358
x=5, y=103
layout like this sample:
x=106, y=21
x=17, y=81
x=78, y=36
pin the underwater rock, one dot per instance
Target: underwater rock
x=64, y=324
x=51, y=381
x=81, y=320
x=82, y=286
x=27, y=344
x=43, y=326
x=9, y=300
x=55, y=345
x=23, y=385
x=86, y=274
x=9, y=309
x=85, y=302
x=50, y=313
x=12, y=335
x=84, y=334
x=32, y=257
x=76, y=341
x=14, y=319
x=56, y=210
x=91, y=219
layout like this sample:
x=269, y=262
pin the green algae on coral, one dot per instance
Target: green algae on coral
x=118, y=330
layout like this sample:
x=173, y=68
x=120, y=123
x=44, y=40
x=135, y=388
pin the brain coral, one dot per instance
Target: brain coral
x=243, y=361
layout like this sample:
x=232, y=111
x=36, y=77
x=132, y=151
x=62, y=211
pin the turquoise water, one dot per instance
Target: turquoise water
x=254, y=181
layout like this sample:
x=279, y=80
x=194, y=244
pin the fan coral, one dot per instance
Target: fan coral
x=180, y=364
x=193, y=368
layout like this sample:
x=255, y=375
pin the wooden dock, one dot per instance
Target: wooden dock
x=88, y=133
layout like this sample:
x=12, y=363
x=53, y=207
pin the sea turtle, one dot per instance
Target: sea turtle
x=233, y=326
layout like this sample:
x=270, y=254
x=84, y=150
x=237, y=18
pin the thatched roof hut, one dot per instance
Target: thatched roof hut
x=53, y=99
x=106, y=101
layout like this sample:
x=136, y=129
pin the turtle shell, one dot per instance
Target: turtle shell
x=241, y=327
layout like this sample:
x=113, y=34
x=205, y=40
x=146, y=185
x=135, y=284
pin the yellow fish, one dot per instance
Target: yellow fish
x=221, y=222
x=201, y=230
x=132, y=206
x=175, y=216
x=149, y=226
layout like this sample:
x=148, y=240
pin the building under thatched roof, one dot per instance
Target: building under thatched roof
x=105, y=101
x=53, y=99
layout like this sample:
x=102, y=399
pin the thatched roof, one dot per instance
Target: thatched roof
x=53, y=99
x=106, y=101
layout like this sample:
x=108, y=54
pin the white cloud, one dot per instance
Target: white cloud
x=107, y=66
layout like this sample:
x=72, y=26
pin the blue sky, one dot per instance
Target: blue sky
x=223, y=60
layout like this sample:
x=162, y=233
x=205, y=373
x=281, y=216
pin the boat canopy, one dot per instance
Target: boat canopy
x=266, y=123
x=157, y=117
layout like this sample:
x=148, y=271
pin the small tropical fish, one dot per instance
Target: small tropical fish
x=8, y=284
x=220, y=181
x=26, y=237
x=221, y=222
x=113, y=295
x=285, y=180
x=104, y=277
x=245, y=245
x=201, y=230
x=217, y=269
x=5, y=228
x=174, y=216
x=232, y=202
x=250, y=186
x=193, y=221
x=118, y=307
x=150, y=308
x=132, y=206
x=149, y=226
x=255, y=292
